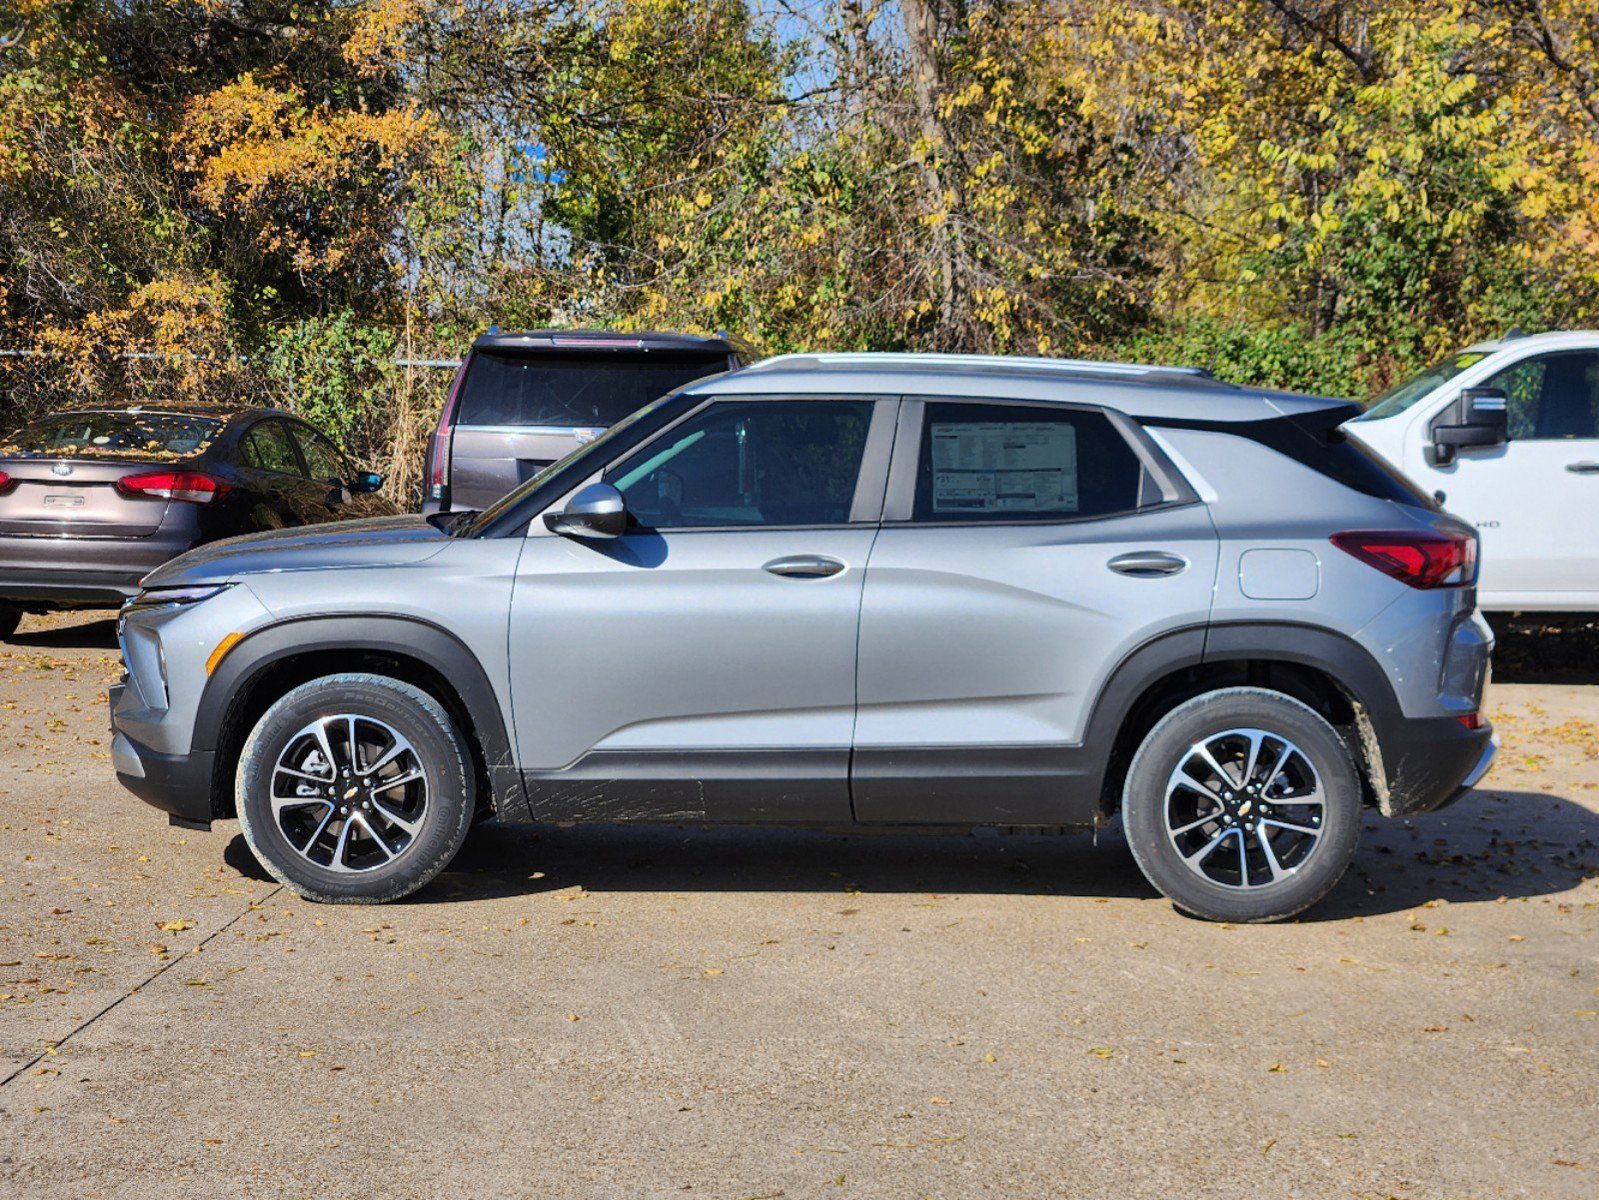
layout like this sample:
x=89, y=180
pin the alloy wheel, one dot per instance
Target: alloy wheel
x=349, y=793
x=1245, y=808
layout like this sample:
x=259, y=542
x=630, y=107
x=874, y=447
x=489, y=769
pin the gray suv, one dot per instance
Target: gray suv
x=847, y=590
x=523, y=400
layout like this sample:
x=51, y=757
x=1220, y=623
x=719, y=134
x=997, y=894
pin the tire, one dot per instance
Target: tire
x=1195, y=863
x=10, y=618
x=309, y=844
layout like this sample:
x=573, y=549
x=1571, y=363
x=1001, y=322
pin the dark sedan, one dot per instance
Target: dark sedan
x=91, y=500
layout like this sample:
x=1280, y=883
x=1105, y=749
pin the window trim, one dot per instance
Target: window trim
x=871, y=480
x=899, y=507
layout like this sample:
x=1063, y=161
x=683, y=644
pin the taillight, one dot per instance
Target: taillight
x=5, y=483
x=438, y=483
x=172, y=485
x=1471, y=720
x=1423, y=560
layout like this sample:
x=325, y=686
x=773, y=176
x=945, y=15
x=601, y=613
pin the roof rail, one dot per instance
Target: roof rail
x=902, y=359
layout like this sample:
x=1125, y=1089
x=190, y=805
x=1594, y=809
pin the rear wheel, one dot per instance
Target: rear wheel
x=10, y=618
x=1243, y=805
x=355, y=789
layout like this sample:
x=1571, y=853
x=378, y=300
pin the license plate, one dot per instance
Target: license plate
x=63, y=500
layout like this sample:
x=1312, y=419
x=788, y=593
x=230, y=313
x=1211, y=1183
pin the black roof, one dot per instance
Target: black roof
x=609, y=339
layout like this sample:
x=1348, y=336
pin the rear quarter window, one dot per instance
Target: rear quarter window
x=1316, y=440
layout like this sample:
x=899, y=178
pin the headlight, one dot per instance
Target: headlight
x=150, y=597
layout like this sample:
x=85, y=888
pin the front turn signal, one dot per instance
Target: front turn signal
x=221, y=652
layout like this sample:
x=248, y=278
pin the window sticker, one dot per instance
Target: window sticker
x=1003, y=466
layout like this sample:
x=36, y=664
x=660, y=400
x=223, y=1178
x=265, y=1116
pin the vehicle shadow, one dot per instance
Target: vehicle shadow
x=97, y=634
x=1491, y=844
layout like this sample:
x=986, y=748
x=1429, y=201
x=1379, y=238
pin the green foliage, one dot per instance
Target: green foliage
x=336, y=371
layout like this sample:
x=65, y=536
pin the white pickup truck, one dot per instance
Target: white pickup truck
x=1506, y=435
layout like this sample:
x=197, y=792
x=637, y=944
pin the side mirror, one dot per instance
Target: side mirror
x=597, y=511
x=1478, y=417
x=366, y=481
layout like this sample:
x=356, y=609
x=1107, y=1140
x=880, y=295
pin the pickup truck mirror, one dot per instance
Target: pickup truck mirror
x=1477, y=417
x=597, y=511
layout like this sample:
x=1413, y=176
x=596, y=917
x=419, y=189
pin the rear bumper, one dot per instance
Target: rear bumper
x=1431, y=763
x=69, y=589
x=64, y=572
x=177, y=784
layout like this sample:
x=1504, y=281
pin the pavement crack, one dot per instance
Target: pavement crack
x=141, y=985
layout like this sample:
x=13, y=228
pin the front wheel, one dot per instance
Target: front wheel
x=355, y=789
x=1243, y=805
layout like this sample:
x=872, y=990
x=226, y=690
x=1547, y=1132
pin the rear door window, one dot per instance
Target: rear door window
x=1017, y=462
x=567, y=391
x=267, y=448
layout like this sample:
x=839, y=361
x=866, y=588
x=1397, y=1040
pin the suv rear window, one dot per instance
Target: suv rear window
x=141, y=435
x=566, y=390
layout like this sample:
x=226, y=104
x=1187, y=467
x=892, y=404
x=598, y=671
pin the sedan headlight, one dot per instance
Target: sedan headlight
x=151, y=597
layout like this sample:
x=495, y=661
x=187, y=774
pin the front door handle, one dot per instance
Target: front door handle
x=1586, y=467
x=1148, y=564
x=804, y=566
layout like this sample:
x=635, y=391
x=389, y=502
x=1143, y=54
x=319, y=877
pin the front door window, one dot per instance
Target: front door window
x=746, y=464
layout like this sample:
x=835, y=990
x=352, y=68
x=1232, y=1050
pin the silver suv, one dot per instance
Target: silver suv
x=846, y=590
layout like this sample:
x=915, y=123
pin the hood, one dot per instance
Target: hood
x=380, y=541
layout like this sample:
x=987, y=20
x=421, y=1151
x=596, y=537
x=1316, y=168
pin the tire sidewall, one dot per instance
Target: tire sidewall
x=1144, y=800
x=439, y=746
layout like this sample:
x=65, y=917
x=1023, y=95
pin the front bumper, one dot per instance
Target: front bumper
x=178, y=784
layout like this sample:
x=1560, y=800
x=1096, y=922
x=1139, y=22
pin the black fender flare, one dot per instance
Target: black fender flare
x=1335, y=655
x=229, y=686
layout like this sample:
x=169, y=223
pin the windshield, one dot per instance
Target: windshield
x=595, y=450
x=128, y=434
x=1402, y=395
x=567, y=390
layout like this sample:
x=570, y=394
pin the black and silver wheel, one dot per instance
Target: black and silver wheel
x=1243, y=805
x=355, y=788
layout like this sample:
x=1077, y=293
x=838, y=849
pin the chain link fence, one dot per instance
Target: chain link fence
x=381, y=410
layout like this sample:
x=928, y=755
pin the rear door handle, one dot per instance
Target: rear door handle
x=1586, y=467
x=804, y=566
x=1147, y=564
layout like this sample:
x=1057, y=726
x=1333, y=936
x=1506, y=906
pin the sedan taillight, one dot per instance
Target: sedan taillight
x=190, y=486
x=438, y=480
x=1422, y=560
x=5, y=483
